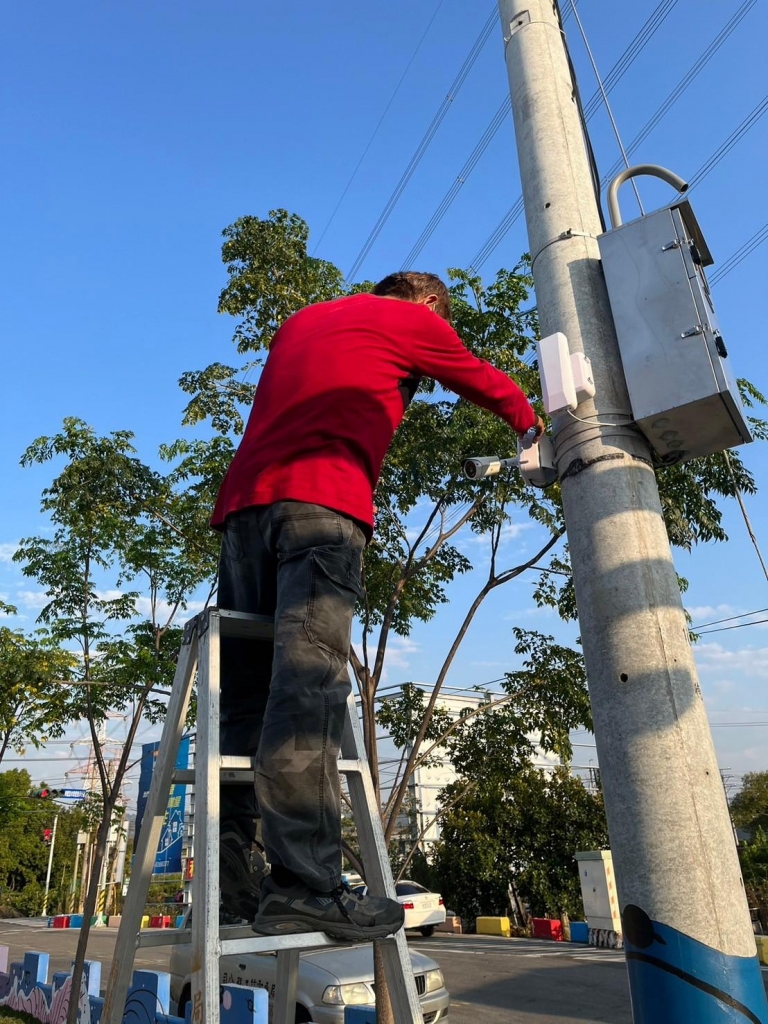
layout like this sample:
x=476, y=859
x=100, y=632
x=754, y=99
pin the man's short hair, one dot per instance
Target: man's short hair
x=412, y=286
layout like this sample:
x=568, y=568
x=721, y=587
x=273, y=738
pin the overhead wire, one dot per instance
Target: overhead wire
x=726, y=629
x=424, y=144
x=627, y=58
x=725, y=147
x=514, y=212
x=378, y=126
x=741, y=254
x=606, y=103
x=688, y=78
x=485, y=139
x=729, y=618
x=630, y=54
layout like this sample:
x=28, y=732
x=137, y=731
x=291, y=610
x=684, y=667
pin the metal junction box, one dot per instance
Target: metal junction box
x=684, y=397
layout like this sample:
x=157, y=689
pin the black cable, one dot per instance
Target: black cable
x=421, y=149
x=740, y=625
x=584, y=130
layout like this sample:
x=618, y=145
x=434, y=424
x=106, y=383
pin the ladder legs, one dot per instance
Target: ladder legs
x=202, y=637
x=206, y=943
x=121, y=971
x=286, y=985
x=378, y=873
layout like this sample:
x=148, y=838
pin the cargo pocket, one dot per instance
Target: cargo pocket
x=335, y=589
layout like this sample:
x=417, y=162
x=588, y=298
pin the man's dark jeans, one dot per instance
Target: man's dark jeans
x=284, y=703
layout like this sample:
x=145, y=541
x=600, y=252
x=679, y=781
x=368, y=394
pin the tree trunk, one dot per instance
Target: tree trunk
x=89, y=908
x=384, y=1012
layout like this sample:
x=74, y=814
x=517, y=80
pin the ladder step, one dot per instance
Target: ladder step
x=239, y=770
x=243, y=624
x=238, y=938
x=271, y=943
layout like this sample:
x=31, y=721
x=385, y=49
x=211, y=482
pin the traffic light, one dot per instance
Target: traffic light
x=48, y=794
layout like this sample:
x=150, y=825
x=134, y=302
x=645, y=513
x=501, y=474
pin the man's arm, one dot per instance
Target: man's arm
x=438, y=352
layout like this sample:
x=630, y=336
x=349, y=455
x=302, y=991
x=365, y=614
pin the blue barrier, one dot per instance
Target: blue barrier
x=24, y=986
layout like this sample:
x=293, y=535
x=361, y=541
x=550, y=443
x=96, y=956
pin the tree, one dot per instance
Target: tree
x=519, y=836
x=113, y=521
x=24, y=818
x=33, y=698
x=749, y=807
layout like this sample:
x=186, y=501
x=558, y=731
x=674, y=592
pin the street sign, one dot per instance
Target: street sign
x=73, y=794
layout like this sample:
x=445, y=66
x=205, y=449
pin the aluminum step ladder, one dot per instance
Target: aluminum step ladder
x=200, y=654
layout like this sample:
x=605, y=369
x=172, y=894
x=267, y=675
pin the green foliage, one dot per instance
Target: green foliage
x=23, y=852
x=754, y=867
x=271, y=276
x=525, y=832
x=749, y=807
x=33, y=701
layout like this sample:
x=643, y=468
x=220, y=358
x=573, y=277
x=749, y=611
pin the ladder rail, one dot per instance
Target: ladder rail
x=121, y=969
x=206, y=943
x=378, y=871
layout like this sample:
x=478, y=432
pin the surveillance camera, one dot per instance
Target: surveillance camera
x=477, y=469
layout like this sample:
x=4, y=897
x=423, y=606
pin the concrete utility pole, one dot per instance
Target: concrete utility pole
x=687, y=932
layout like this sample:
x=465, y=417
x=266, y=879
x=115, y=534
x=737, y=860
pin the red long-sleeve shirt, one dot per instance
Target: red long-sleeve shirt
x=333, y=392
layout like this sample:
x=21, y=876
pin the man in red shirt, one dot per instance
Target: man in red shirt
x=296, y=511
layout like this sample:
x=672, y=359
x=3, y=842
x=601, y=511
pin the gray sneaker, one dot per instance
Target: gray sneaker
x=241, y=868
x=342, y=914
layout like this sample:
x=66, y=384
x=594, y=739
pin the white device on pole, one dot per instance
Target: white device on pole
x=566, y=378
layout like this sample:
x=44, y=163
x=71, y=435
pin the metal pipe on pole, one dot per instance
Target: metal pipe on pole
x=687, y=932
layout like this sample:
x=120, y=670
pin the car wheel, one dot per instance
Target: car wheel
x=302, y=1015
x=427, y=931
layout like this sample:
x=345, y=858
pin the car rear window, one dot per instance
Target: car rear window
x=409, y=888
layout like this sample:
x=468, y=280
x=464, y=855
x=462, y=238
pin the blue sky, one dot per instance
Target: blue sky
x=135, y=132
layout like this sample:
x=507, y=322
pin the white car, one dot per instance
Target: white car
x=423, y=909
x=329, y=980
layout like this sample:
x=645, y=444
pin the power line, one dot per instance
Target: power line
x=730, y=618
x=663, y=109
x=604, y=95
x=632, y=52
x=725, y=147
x=485, y=139
x=378, y=126
x=740, y=625
x=741, y=254
x=422, y=147
x=629, y=55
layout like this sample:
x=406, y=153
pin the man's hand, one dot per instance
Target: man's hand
x=540, y=427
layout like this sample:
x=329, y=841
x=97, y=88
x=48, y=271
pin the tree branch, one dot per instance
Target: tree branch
x=428, y=826
x=397, y=796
